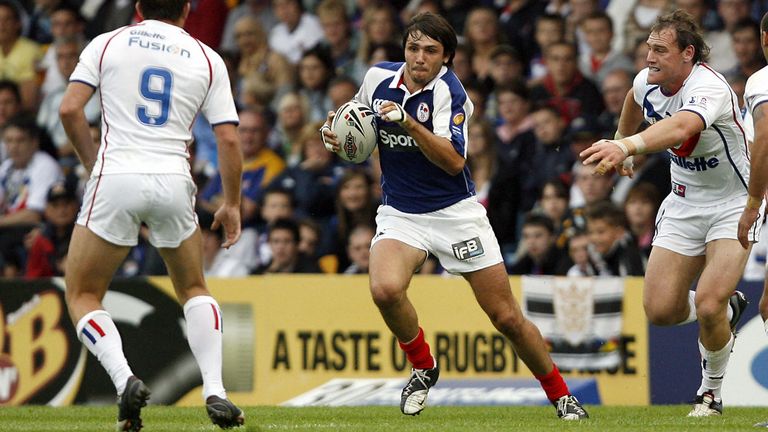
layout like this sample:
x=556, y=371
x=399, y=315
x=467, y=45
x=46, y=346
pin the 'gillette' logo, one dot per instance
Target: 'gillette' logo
x=158, y=46
x=695, y=164
x=468, y=249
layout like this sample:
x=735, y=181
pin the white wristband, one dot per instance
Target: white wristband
x=639, y=143
x=622, y=146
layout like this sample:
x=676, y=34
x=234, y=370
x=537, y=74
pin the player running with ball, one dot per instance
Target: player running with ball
x=429, y=206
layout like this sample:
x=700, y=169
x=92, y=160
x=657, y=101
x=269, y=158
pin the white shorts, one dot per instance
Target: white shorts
x=687, y=229
x=460, y=236
x=115, y=205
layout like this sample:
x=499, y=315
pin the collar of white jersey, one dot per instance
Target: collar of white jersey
x=154, y=22
x=398, y=81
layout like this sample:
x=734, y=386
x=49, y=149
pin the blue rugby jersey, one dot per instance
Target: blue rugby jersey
x=409, y=181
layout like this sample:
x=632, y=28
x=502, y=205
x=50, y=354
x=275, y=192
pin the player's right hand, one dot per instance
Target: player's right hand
x=228, y=218
x=327, y=135
x=747, y=220
x=605, y=154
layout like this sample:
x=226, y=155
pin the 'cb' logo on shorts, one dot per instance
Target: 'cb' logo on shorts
x=468, y=249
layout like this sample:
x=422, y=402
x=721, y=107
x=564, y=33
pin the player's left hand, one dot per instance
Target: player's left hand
x=228, y=217
x=748, y=218
x=330, y=140
x=393, y=112
x=605, y=154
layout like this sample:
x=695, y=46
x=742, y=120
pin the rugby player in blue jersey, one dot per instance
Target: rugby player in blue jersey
x=429, y=206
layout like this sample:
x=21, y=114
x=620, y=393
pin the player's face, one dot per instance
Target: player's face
x=424, y=57
x=666, y=62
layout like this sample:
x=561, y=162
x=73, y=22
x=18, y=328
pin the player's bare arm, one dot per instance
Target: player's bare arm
x=758, y=175
x=231, y=168
x=631, y=116
x=437, y=149
x=665, y=134
x=75, y=124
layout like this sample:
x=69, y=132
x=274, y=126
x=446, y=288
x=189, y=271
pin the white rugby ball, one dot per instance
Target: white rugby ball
x=355, y=129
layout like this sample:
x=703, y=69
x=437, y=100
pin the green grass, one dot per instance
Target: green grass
x=380, y=419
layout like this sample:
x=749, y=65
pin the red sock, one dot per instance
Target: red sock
x=553, y=384
x=417, y=352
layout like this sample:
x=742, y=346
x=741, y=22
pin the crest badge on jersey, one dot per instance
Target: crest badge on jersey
x=458, y=119
x=422, y=114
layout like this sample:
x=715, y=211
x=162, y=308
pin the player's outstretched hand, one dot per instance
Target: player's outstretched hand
x=392, y=112
x=228, y=218
x=330, y=140
x=746, y=221
x=605, y=154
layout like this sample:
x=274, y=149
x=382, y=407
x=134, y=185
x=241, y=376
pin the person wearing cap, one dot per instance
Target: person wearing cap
x=47, y=245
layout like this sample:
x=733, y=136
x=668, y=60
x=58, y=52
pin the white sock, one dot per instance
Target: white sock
x=713, y=365
x=765, y=325
x=204, y=334
x=691, y=308
x=98, y=333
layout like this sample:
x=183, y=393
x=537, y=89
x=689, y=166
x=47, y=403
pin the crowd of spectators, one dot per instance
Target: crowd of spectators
x=547, y=78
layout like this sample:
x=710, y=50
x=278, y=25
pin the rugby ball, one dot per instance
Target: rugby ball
x=355, y=129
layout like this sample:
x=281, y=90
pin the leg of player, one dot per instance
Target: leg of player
x=392, y=264
x=91, y=263
x=668, y=279
x=764, y=306
x=494, y=294
x=725, y=266
x=204, y=327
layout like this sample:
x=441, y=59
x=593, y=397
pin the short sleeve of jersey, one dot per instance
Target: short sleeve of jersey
x=756, y=90
x=706, y=97
x=363, y=96
x=639, y=86
x=219, y=106
x=87, y=69
x=452, y=110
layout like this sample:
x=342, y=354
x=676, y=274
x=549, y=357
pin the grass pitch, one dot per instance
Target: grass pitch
x=386, y=419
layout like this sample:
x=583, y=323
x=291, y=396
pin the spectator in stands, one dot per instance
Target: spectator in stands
x=277, y=203
x=462, y=64
x=67, y=55
x=582, y=132
x=617, y=253
x=354, y=206
x=578, y=11
x=481, y=33
x=614, y=87
x=550, y=29
x=553, y=203
x=640, y=54
x=39, y=27
x=540, y=256
x=640, y=209
x=341, y=90
x=517, y=18
x=507, y=69
x=66, y=24
x=552, y=156
x=384, y=52
x=515, y=128
x=292, y=115
x=482, y=157
x=206, y=21
x=19, y=56
x=312, y=182
x=259, y=9
x=105, y=15
x=257, y=63
x=296, y=32
x=283, y=240
x=745, y=36
x=47, y=245
x=10, y=106
x=25, y=179
x=315, y=72
x=379, y=28
x=635, y=22
x=359, y=249
x=339, y=39
x=587, y=188
x=260, y=166
x=218, y=261
x=564, y=87
x=600, y=60
x=718, y=42
x=579, y=255
x=309, y=237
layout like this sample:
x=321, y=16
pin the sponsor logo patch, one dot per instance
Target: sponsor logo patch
x=468, y=249
x=458, y=119
x=422, y=113
x=678, y=189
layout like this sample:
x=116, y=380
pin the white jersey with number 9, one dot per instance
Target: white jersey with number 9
x=154, y=79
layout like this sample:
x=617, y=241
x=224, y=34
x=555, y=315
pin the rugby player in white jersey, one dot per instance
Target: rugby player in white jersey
x=429, y=205
x=694, y=115
x=755, y=98
x=154, y=78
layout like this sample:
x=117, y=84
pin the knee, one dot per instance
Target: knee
x=664, y=315
x=386, y=294
x=508, y=322
x=710, y=310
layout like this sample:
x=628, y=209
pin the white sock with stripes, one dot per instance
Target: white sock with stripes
x=713, y=366
x=204, y=334
x=98, y=333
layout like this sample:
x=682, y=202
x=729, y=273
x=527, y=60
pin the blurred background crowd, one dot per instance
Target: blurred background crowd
x=547, y=79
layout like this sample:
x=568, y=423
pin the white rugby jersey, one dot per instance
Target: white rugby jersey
x=755, y=94
x=714, y=164
x=409, y=181
x=154, y=78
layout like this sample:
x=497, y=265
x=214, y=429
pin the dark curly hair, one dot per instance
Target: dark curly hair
x=687, y=31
